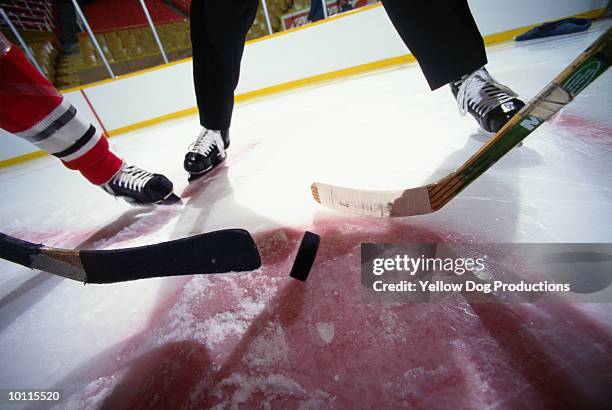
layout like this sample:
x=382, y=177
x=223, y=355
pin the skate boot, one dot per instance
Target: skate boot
x=491, y=103
x=206, y=152
x=140, y=187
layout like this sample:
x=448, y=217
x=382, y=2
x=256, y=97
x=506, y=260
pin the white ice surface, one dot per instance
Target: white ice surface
x=383, y=130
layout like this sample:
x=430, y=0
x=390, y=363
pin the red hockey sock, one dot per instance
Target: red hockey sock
x=98, y=165
x=33, y=109
x=26, y=97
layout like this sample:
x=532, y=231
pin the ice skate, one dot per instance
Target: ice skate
x=492, y=104
x=206, y=152
x=140, y=187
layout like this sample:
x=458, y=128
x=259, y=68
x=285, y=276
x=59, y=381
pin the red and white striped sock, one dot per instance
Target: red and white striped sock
x=33, y=109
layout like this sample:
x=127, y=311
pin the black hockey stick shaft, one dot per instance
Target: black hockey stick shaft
x=17, y=251
x=230, y=250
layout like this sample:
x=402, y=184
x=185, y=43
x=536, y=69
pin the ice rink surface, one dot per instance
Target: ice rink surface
x=261, y=339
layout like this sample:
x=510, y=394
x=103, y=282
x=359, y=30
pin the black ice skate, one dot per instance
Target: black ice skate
x=491, y=103
x=206, y=152
x=140, y=187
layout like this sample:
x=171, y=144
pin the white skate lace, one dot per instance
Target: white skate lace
x=132, y=178
x=206, y=142
x=482, y=93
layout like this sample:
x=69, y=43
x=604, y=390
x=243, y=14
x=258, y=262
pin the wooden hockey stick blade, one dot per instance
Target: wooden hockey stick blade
x=414, y=201
x=230, y=250
x=429, y=198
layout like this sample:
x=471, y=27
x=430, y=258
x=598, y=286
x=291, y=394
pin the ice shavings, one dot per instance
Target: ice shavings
x=326, y=331
x=268, y=349
x=273, y=386
x=183, y=323
x=92, y=395
x=218, y=327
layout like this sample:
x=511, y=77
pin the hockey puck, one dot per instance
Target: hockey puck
x=305, y=256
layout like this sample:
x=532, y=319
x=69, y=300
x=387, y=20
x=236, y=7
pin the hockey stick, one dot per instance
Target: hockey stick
x=427, y=199
x=214, y=252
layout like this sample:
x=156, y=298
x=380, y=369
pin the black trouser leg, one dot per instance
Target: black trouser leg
x=218, y=30
x=441, y=34
x=67, y=21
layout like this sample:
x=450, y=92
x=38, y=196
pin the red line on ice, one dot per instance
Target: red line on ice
x=261, y=338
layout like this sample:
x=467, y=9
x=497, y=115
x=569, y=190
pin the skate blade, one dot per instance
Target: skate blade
x=208, y=171
x=195, y=177
x=170, y=200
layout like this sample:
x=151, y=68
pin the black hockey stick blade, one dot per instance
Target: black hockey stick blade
x=230, y=250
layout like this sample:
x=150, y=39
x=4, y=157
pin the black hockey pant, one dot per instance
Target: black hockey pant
x=441, y=34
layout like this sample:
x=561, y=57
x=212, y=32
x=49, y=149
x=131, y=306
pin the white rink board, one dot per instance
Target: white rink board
x=359, y=38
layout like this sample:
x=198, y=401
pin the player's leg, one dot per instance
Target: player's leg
x=443, y=36
x=33, y=109
x=218, y=31
x=67, y=22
